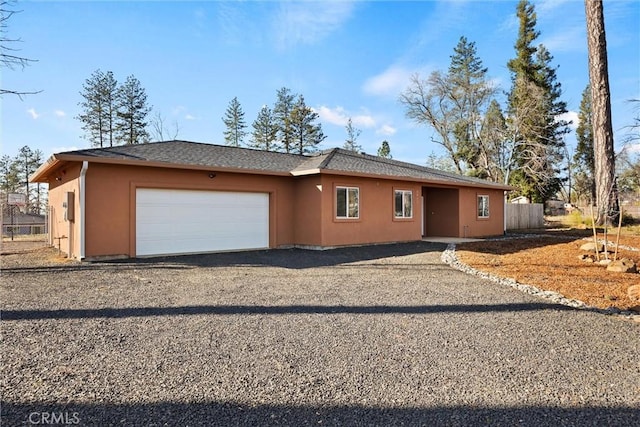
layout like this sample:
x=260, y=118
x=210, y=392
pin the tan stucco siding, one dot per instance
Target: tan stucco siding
x=111, y=202
x=63, y=233
x=307, y=211
x=376, y=222
x=470, y=224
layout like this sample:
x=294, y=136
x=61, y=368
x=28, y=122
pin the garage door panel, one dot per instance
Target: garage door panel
x=183, y=221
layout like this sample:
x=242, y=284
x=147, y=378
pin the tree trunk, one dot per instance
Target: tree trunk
x=604, y=155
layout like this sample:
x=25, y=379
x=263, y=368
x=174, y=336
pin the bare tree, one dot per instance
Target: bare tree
x=428, y=102
x=9, y=57
x=604, y=155
x=159, y=131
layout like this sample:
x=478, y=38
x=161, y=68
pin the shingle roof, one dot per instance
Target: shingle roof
x=335, y=160
x=349, y=161
x=197, y=154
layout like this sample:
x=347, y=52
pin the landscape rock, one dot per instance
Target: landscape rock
x=624, y=265
x=586, y=258
x=634, y=292
x=592, y=247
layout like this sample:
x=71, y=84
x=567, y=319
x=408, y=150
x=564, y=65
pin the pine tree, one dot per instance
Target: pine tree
x=131, y=126
x=534, y=105
x=99, y=108
x=306, y=134
x=583, y=157
x=352, y=135
x=385, y=150
x=604, y=155
x=265, y=131
x=282, y=116
x=234, y=121
x=9, y=175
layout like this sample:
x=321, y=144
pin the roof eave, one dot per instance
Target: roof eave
x=167, y=165
x=445, y=183
x=305, y=172
x=41, y=174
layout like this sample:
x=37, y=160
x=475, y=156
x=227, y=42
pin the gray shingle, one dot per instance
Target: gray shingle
x=198, y=154
x=218, y=156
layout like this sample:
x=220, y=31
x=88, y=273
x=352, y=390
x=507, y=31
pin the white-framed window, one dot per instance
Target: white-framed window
x=347, y=202
x=403, y=203
x=483, y=206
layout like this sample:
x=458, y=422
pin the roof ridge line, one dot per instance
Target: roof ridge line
x=327, y=159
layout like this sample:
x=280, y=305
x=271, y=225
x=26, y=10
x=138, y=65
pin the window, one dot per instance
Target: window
x=404, y=204
x=347, y=202
x=483, y=206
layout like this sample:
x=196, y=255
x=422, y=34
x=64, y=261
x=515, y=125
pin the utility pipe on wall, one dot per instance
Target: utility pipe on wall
x=83, y=173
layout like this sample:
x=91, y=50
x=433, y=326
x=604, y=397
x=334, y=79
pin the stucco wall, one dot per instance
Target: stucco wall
x=470, y=224
x=302, y=210
x=65, y=234
x=110, y=204
x=307, y=211
x=376, y=222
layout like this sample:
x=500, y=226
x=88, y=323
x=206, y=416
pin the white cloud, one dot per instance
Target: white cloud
x=570, y=116
x=302, y=22
x=340, y=117
x=33, y=113
x=190, y=117
x=59, y=113
x=386, y=130
x=391, y=81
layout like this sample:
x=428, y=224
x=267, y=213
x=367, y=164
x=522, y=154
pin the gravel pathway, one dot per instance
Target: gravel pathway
x=380, y=335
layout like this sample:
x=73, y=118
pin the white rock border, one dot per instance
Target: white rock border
x=450, y=258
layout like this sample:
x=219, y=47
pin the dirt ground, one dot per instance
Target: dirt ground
x=552, y=263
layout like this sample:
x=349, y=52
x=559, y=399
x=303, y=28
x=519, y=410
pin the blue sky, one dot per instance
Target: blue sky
x=348, y=59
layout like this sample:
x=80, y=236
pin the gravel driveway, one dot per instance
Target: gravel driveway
x=382, y=335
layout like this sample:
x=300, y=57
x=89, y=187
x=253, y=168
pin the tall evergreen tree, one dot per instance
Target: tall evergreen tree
x=9, y=175
x=604, y=155
x=14, y=178
x=234, y=121
x=384, y=150
x=99, y=108
x=534, y=108
x=131, y=127
x=305, y=132
x=265, y=131
x=352, y=135
x=282, y=115
x=583, y=158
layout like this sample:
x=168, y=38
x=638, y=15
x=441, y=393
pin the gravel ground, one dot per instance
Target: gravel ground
x=381, y=335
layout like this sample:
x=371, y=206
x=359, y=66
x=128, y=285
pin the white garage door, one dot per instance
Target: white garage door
x=182, y=221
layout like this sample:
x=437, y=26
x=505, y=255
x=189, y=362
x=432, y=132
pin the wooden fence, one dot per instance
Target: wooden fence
x=524, y=216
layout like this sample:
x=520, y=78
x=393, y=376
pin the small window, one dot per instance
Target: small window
x=347, y=202
x=483, y=206
x=404, y=204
